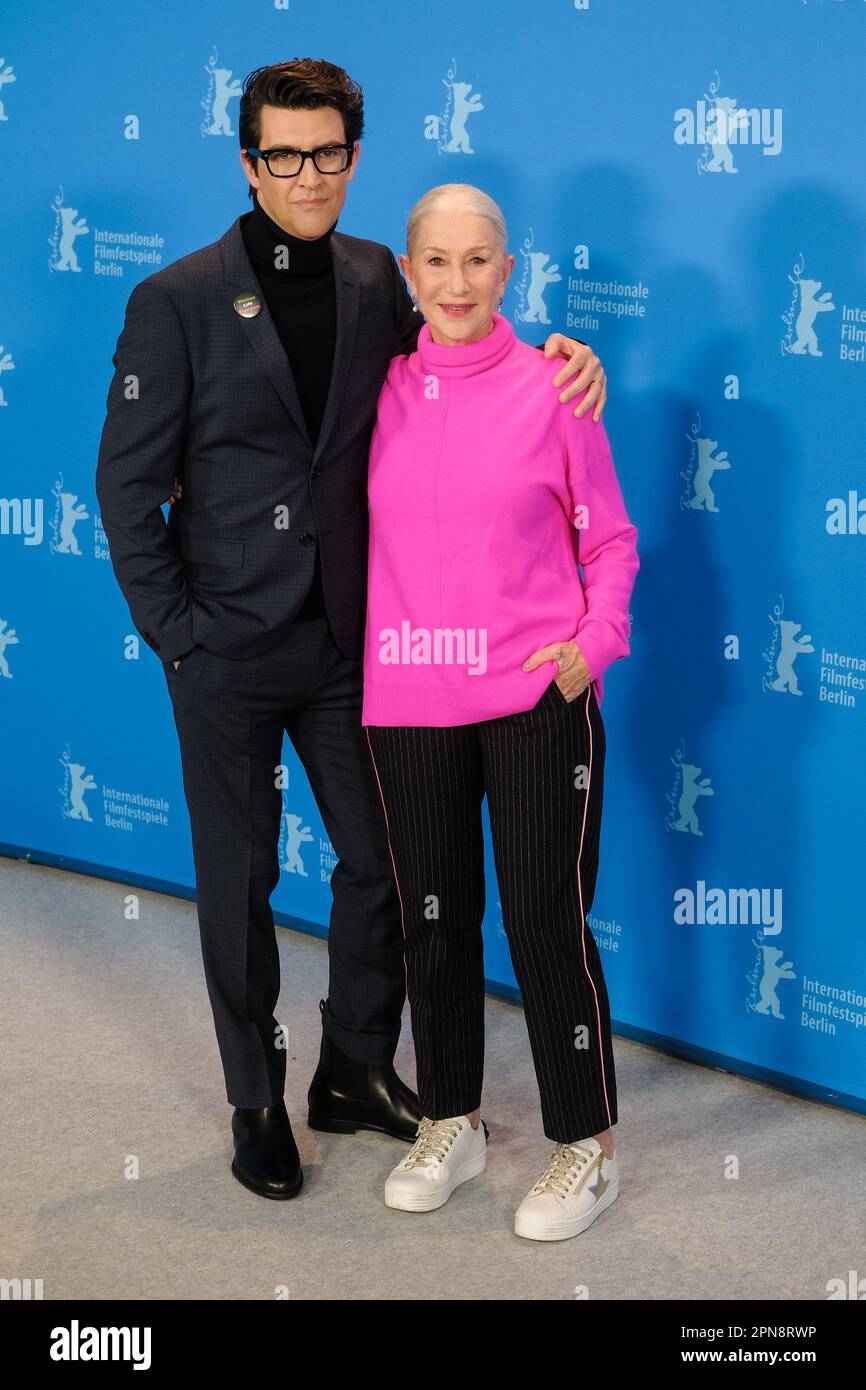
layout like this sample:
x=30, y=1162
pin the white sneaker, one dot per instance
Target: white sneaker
x=445, y=1154
x=580, y=1182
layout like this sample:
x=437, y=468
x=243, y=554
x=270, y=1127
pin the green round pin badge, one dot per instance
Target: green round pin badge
x=248, y=305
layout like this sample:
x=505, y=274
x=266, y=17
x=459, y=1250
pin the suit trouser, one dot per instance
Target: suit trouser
x=230, y=716
x=545, y=820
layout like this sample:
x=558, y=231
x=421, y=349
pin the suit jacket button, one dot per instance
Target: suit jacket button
x=308, y=538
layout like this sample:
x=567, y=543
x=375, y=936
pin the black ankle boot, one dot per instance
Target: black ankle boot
x=347, y=1095
x=266, y=1156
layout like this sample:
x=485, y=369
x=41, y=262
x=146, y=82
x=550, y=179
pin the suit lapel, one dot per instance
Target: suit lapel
x=265, y=341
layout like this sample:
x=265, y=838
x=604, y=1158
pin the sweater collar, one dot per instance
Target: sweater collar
x=262, y=235
x=467, y=359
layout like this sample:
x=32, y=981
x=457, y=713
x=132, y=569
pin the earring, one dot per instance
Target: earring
x=414, y=303
x=499, y=305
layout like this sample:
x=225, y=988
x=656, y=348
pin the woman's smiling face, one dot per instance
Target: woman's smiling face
x=458, y=270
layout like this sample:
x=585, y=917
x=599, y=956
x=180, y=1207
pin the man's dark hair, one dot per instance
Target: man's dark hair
x=302, y=83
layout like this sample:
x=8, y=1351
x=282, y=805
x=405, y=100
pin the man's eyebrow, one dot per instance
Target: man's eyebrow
x=324, y=146
x=482, y=246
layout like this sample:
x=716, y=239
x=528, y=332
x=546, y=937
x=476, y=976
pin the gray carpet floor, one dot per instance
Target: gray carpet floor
x=115, y=1146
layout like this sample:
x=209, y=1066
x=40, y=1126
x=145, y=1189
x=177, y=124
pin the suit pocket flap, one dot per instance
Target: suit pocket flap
x=212, y=550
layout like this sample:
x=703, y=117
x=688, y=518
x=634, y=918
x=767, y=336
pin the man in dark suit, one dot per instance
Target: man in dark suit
x=249, y=372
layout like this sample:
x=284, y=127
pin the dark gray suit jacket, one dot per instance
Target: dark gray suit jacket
x=201, y=393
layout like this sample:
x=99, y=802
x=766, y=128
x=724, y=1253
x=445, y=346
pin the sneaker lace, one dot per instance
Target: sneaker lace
x=566, y=1163
x=435, y=1138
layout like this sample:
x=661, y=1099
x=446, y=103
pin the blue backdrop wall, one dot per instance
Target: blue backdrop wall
x=683, y=188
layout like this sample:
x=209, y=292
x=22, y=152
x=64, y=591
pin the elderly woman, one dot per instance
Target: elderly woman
x=483, y=672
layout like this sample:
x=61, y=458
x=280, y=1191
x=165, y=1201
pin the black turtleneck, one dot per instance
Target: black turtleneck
x=301, y=301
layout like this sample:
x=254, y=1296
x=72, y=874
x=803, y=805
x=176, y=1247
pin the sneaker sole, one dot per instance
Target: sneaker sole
x=440, y=1197
x=566, y=1229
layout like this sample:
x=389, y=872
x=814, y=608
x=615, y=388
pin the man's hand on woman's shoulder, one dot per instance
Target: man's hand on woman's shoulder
x=586, y=369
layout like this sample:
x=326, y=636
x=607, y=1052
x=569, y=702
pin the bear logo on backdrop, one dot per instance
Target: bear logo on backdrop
x=7, y=75
x=717, y=123
x=77, y=781
x=293, y=834
x=704, y=461
x=8, y=638
x=6, y=365
x=68, y=226
x=68, y=512
x=683, y=797
x=450, y=127
x=801, y=337
x=222, y=88
x=764, y=978
x=537, y=274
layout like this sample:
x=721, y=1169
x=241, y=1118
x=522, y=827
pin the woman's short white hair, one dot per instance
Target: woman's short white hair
x=457, y=197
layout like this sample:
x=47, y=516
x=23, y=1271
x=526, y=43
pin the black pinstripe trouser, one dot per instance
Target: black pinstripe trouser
x=545, y=819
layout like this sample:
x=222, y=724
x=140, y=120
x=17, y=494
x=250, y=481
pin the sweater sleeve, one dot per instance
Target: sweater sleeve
x=607, y=542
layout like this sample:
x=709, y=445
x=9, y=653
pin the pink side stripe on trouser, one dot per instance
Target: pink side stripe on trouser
x=580, y=897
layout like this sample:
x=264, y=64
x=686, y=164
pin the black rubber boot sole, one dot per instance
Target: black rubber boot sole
x=327, y=1125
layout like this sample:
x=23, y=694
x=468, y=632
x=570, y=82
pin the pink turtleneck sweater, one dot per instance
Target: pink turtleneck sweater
x=484, y=493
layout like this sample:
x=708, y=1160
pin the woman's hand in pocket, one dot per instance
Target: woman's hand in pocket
x=573, y=675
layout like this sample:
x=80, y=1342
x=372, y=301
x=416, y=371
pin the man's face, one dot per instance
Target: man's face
x=305, y=206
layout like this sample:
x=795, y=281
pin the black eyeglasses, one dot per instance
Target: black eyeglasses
x=288, y=163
